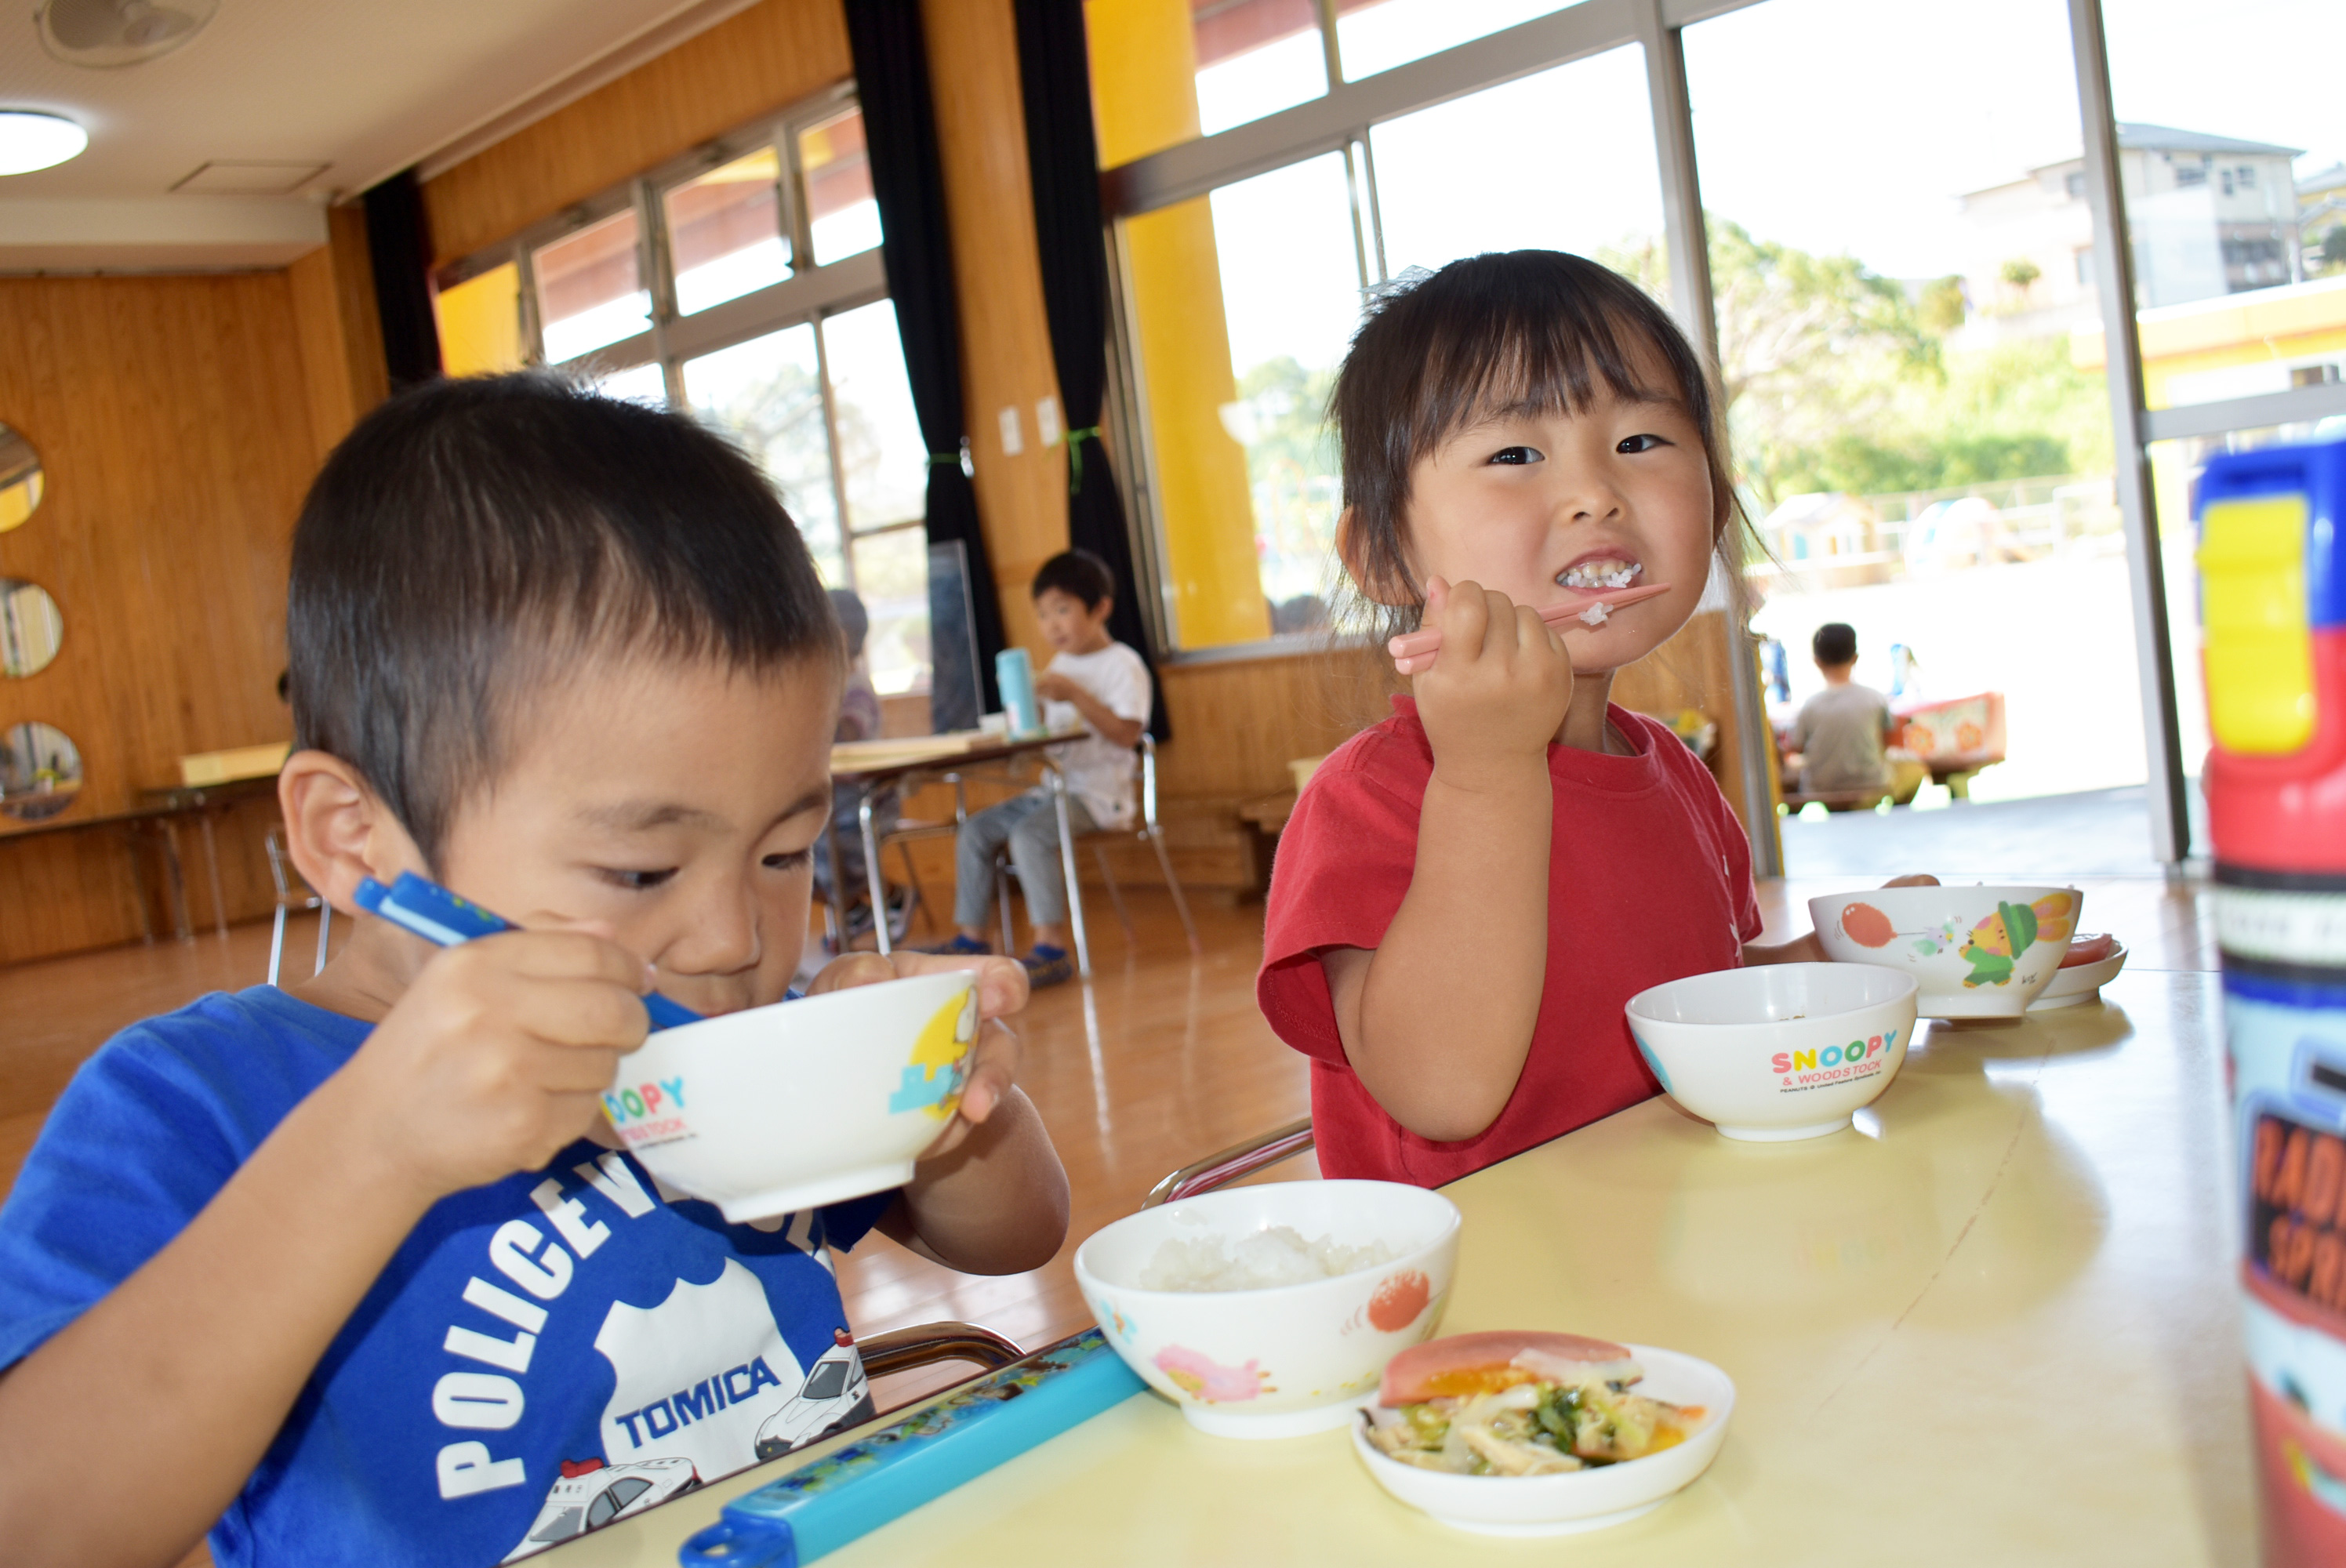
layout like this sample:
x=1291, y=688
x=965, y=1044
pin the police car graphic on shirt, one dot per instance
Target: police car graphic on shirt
x=704, y=1385
x=591, y=1494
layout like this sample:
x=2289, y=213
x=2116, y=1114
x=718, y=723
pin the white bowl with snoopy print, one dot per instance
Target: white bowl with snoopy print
x=1777, y=1051
x=775, y=1109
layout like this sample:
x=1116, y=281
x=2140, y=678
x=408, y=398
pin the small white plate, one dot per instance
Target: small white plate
x=2080, y=983
x=1576, y=1499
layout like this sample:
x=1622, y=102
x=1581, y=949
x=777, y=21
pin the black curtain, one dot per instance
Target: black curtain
x=1063, y=159
x=399, y=248
x=892, y=79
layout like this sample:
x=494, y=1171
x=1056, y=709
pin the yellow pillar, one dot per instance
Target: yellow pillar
x=1144, y=89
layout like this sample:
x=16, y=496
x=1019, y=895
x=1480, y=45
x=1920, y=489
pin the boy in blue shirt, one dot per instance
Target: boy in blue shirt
x=355, y=1269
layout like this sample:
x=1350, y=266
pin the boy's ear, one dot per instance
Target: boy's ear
x=338, y=830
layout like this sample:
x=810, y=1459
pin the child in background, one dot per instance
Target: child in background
x=1468, y=892
x=1843, y=733
x=859, y=720
x=356, y=1270
x=1094, y=680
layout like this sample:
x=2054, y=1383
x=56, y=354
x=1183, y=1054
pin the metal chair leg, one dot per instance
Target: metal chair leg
x=920, y=895
x=1155, y=837
x=275, y=943
x=1002, y=893
x=1099, y=852
x=325, y=925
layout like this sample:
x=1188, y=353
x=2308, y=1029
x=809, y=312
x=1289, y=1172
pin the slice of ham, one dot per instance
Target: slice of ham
x=2088, y=947
x=1468, y=1364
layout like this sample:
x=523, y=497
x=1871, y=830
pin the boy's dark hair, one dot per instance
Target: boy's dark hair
x=472, y=539
x=1834, y=643
x=1537, y=326
x=1079, y=575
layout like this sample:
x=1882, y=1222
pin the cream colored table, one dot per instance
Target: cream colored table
x=1994, y=1326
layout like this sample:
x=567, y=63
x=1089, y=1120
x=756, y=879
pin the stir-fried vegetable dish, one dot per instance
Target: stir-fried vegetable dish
x=1536, y=1425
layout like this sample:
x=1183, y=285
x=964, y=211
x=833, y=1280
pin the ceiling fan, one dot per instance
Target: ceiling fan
x=103, y=34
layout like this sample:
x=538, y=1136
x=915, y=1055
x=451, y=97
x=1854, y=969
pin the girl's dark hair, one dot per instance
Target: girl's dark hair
x=473, y=540
x=1538, y=328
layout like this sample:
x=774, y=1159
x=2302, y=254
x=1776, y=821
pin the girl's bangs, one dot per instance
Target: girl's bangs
x=1485, y=364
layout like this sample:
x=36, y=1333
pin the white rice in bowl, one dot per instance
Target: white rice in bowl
x=1256, y=1261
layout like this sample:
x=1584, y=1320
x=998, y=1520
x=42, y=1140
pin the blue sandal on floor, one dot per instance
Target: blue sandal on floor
x=1048, y=965
x=959, y=947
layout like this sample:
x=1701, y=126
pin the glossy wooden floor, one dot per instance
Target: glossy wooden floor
x=1159, y=1060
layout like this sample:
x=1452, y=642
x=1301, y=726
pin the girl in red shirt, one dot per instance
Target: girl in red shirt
x=1469, y=891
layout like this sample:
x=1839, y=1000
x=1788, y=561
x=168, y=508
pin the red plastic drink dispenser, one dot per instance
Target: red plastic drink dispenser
x=2272, y=585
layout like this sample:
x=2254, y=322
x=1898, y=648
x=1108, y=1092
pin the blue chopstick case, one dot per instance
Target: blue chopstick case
x=857, y=1489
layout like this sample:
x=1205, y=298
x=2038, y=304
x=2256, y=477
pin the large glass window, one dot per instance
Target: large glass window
x=1927, y=461
x=768, y=394
x=843, y=217
x=804, y=368
x=883, y=464
x=1486, y=172
x=590, y=287
x=1243, y=302
x=725, y=232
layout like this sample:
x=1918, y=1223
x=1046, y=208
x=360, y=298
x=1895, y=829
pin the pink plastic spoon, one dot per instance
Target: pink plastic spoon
x=1412, y=654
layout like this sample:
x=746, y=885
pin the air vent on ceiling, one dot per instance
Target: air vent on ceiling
x=247, y=177
x=103, y=34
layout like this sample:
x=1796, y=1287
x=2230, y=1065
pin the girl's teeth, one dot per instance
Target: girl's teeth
x=1602, y=575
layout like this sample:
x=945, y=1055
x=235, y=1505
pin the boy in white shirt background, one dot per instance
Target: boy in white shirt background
x=1101, y=684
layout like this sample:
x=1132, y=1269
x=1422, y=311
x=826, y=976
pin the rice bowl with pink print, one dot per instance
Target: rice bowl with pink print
x=1777, y=1052
x=1977, y=952
x=1366, y=1267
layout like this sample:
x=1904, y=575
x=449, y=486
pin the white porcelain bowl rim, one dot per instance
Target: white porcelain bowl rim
x=1450, y=1223
x=808, y=1009
x=1862, y=986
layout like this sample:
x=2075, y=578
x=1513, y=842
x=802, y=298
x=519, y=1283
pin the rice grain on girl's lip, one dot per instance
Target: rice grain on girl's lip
x=1412, y=654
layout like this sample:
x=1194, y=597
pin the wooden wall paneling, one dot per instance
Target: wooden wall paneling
x=763, y=59
x=1006, y=335
x=339, y=330
x=1237, y=724
x=174, y=419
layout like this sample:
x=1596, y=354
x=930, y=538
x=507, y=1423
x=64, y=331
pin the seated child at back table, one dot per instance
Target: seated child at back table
x=356, y=1269
x=1842, y=732
x=859, y=718
x=1468, y=892
x=1094, y=680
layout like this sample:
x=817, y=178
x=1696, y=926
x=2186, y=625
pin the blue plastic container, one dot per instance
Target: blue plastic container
x=1013, y=673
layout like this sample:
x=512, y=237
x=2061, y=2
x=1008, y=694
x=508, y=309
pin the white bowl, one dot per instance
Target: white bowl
x=1778, y=1051
x=1956, y=941
x=2080, y=983
x=778, y=1109
x=1287, y=1359
x=1574, y=1499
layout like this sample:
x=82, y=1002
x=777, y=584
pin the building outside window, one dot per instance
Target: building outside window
x=741, y=282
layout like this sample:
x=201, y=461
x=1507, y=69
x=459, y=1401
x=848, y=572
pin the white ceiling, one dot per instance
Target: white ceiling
x=365, y=87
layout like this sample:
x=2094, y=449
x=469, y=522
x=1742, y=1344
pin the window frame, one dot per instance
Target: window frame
x=807, y=295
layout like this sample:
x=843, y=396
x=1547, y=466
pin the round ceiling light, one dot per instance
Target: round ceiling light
x=30, y=139
x=103, y=34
